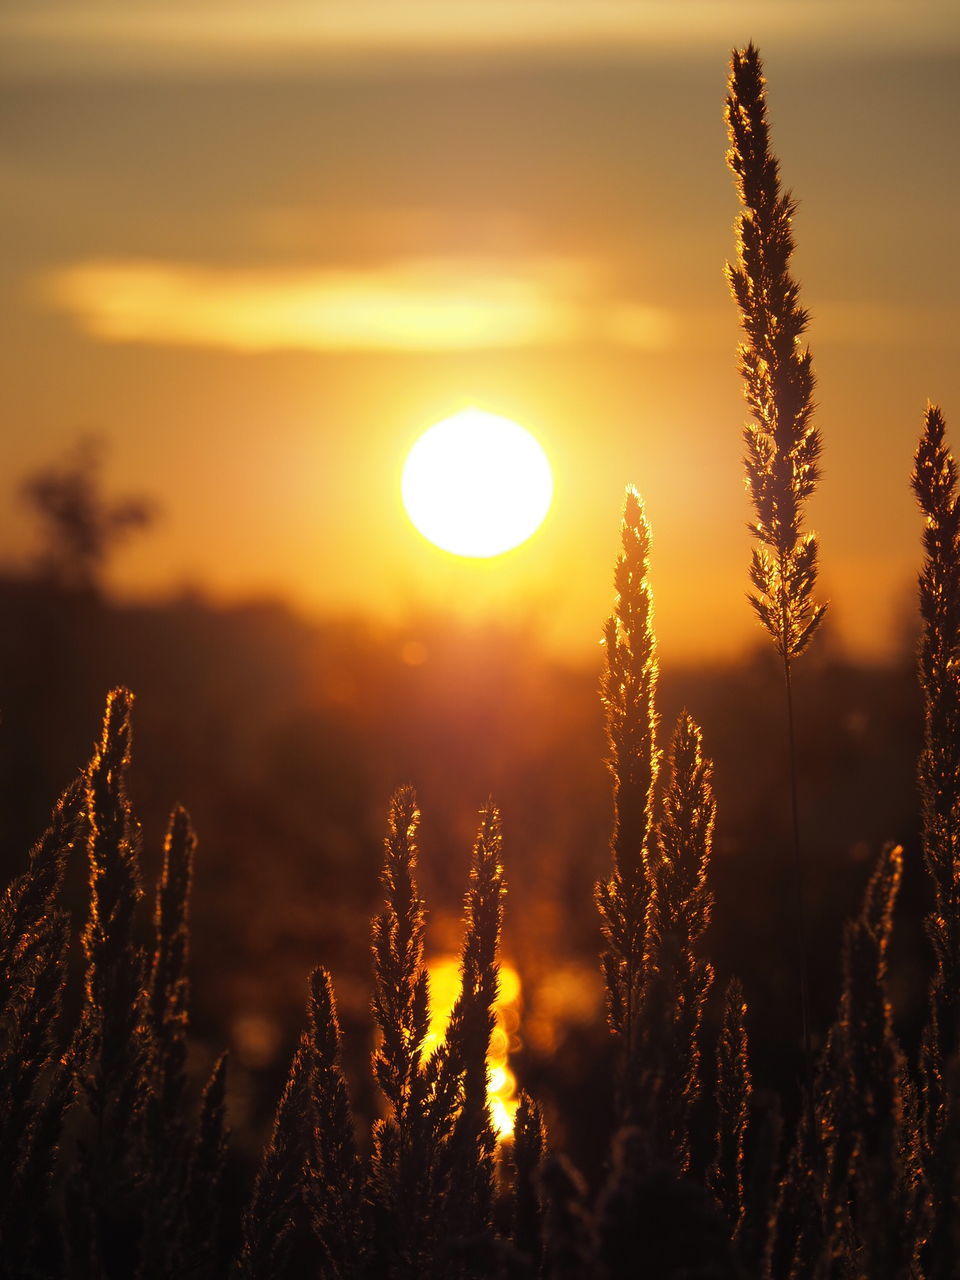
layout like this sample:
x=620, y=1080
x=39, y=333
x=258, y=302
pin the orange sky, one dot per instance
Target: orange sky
x=260, y=248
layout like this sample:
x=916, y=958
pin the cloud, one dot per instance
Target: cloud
x=412, y=305
x=157, y=34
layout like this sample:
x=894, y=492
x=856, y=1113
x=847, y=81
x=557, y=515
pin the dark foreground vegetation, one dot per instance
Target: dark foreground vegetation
x=113, y=1164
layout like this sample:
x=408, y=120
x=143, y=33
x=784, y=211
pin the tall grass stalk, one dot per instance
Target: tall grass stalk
x=119, y=1047
x=36, y=1078
x=629, y=690
x=935, y=480
x=782, y=442
x=734, y=1087
x=529, y=1151
x=678, y=913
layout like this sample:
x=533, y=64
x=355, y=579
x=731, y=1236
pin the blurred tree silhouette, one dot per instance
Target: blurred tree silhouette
x=80, y=526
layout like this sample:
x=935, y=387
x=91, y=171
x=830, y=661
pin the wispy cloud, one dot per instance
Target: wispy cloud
x=413, y=305
x=156, y=33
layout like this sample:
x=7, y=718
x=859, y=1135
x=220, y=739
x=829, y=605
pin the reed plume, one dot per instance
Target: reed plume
x=334, y=1187
x=782, y=442
x=276, y=1209
x=628, y=691
x=529, y=1152
x=460, y=1063
x=857, y=1198
x=678, y=913
x=942, y=1245
x=169, y=984
x=35, y=1077
x=439, y=1134
x=116, y=1075
x=401, y=1155
x=883, y=1163
x=734, y=1087
x=935, y=485
x=196, y=1249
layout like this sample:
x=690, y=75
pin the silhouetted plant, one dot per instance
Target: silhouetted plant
x=335, y=1190
x=629, y=695
x=107, y=1173
x=734, y=1087
x=276, y=1206
x=529, y=1153
x=401, y=1006
x=195, y=1244
x=655, y=906
x=169, y=985
x=677, y=917
x=883, y=1172
x=935, y=485
x=423, y=1204
x=35, y=1077
x=782, y=442
x=119, y=1048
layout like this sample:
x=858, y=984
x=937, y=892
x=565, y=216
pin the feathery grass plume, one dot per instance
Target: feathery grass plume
x=857, y=1207
x=116, y=1078
x=35, y=1082
x=457, y=1071
x=198, y=1229
x=168, y=1135
x=276, y=1208
x=334, y=1187
x=29, y=900
x=783, y=445
x=678, y=913
x=401, y=1150
x=943, y=1243
x=401, y=1000
x=169, y=984
x=935, y=485
x=734, y=1088
x=529, y=1149
x=433, y=1157
x=782, y=442
x=883, y=1172
x=628, y=690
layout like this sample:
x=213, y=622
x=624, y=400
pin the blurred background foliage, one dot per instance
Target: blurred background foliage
x=285, y=737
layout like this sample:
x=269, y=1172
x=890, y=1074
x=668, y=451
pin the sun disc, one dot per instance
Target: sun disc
x=477, y=484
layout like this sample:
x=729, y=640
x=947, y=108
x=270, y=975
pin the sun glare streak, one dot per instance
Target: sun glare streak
x=501, y=1082
x=477, y=484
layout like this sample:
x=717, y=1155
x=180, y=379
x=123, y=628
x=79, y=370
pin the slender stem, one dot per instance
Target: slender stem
x=801, y=912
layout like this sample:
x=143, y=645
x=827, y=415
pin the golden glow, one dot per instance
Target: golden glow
x=208, y=34
x=477, y=484
x=470, y=303
x=501, y=1082
x=410, y=305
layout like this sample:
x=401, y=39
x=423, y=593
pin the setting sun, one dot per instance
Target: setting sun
x=477, y=484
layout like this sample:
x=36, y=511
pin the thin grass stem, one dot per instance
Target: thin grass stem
x=800, y=914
